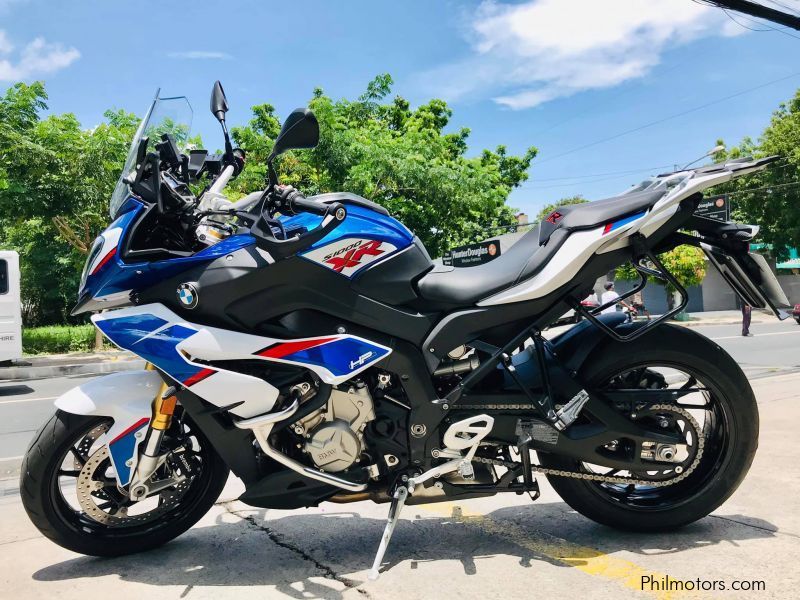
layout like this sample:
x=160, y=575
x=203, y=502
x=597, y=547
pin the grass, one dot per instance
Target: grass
x=58, y=339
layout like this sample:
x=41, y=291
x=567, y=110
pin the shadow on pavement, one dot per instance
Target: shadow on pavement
x=15, y=390
x=286, y=552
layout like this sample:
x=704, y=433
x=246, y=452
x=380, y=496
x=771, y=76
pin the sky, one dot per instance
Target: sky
x=582, y=80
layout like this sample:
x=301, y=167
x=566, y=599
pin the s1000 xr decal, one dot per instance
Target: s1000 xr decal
x=183, y=351
x=349, y=255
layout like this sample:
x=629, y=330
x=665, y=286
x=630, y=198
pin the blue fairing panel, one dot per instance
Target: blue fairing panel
x=147, y=336
x=364, y=238
x=340, y=356
x=360, y=223
x=116, y=277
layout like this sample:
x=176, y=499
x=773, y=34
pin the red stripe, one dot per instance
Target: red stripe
x=134, y=427
x=106, y=258
x=607, y=228
x=285, y=349
x=199, y=376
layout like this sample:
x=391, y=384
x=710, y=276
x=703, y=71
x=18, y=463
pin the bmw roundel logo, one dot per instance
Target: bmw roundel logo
x=187, y=295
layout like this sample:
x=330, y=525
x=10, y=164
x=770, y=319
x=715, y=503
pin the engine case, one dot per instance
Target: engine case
x=335, y=433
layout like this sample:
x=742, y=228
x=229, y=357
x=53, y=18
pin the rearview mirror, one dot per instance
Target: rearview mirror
x=219, y=103
x=300, y=130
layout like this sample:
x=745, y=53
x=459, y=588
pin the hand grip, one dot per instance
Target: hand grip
x=300, y=204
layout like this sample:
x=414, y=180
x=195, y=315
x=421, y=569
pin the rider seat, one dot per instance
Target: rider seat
x=450, y=286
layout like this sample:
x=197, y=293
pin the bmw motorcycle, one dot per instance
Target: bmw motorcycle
x=312, y=347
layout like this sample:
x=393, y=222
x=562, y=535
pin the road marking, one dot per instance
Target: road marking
x=588, y=560
x=17, y=400
x=733, y=337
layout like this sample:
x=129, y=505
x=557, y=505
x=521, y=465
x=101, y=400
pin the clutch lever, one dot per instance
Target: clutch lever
x=266, y=240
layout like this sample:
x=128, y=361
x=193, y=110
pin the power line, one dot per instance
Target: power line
x=766, y=187
x=758, y=10
x=757, y=22
x=669, y=118
x=782, y=5
x=630, y=172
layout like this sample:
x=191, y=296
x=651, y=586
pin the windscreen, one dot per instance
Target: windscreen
x=165, y=115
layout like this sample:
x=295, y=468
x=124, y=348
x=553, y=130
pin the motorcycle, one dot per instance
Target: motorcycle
x=312, y=347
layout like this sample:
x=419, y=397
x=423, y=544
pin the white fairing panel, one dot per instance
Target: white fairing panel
x=184, y=350
x=127, y=398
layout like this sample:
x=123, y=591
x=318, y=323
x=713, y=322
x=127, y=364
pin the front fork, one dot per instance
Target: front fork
x=150, y=459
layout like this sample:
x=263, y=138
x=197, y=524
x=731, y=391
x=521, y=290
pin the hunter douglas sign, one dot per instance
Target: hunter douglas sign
x=472, y=254
x=715, y=207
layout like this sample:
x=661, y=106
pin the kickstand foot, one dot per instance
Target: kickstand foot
x=398, y=501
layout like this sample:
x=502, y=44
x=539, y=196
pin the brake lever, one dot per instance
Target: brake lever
x=265, y=240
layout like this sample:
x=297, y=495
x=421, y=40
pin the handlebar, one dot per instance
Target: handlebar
x=222, y=180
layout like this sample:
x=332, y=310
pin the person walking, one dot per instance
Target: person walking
x=638, y=304
x=609, y=296
x=747, y=315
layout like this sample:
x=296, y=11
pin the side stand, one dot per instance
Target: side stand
x=398, y=501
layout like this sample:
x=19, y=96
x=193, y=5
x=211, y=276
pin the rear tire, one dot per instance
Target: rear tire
x=47, y=508
x=696, y=355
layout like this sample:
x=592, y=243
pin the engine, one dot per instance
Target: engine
x=334, y=434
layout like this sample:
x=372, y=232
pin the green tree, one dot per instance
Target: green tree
x=545, y=212
x=686, y=263
x=397, y=156
x=55, y=182
x=774, y=204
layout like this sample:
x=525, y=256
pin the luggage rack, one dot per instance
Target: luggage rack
x=641, y=252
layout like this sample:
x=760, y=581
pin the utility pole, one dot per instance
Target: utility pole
x=760, y=11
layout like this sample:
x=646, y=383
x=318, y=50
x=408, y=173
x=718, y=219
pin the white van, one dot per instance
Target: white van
x=10, y=307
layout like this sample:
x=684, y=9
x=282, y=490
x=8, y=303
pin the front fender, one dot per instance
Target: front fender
x=127, y=398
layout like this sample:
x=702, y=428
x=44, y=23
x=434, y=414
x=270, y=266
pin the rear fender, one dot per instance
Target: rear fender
x=567, y=354
x=127, y=398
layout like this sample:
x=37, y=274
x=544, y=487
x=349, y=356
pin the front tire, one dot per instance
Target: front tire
x=67, y=438
x=732, y=428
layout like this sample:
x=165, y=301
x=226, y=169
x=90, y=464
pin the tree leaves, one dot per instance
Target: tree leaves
x=398, y=157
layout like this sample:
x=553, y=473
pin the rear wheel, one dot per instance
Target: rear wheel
x=719, y=420
x=70, y=492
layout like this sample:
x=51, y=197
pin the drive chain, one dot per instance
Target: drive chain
x=617, y=479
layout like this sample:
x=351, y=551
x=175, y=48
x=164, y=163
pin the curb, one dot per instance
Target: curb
x=33, y=372
x=702, y=323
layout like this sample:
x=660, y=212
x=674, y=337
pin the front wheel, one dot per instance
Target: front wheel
x=69, y=488
x=720, y=419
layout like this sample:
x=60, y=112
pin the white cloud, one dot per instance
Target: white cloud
x=200, y=55
x=5, y=44
x=530, y=53
x=37, y=58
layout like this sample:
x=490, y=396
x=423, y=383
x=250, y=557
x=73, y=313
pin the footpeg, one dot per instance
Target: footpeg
x=398, y=501
x=570, y=411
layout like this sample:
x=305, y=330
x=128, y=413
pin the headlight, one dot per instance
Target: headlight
x=97, y=245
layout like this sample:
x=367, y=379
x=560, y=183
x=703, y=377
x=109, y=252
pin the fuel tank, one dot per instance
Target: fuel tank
x=381, y=257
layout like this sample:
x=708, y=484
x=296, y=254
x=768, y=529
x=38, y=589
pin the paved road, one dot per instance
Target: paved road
x=24, y=405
